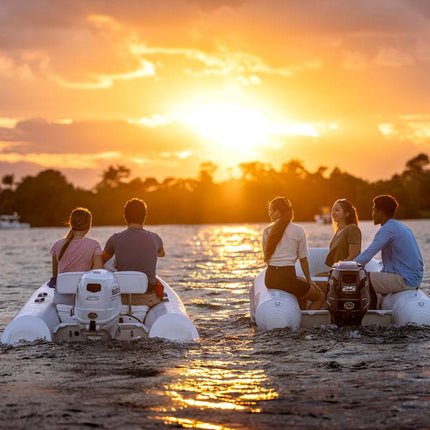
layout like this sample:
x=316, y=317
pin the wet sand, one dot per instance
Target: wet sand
x=328, y=378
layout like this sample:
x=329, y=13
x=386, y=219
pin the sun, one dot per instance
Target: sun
x=231, y=125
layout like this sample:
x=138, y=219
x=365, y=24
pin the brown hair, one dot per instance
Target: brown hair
x=135, y=211
x=348, y=207
x=80, y=220
x=283, y=205
x=387, y=204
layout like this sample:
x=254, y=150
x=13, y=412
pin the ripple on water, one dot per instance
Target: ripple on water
x=234, y=376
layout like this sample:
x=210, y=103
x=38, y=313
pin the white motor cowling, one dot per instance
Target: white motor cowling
x=98, y=301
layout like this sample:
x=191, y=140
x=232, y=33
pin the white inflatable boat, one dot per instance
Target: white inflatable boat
x=271, y=309
x=93, y=310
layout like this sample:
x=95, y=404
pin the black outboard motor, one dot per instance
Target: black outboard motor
x=348, y=293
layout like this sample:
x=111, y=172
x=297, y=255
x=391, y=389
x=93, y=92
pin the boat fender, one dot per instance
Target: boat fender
x=52, y=282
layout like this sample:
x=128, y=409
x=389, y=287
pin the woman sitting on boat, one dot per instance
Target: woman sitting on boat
x=346, y=241
x=75, y=253
x=283, y=243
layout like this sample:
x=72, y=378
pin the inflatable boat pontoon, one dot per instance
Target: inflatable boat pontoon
x=93, y=310
x=271, y=309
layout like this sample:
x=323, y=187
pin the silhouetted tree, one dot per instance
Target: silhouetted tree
x=48, y=198
x=8, y=180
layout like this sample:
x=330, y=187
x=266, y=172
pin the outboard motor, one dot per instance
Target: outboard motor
x=348, y=293
x=98, y=302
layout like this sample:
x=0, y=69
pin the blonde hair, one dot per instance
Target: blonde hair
x=80, y=220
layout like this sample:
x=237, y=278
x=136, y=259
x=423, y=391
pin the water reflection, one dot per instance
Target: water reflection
x=231, y=252
x=216, y=385
x=192, y=424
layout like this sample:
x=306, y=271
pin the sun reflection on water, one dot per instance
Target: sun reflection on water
x=217, y=385
x=227, y=251
x=222, y=378
x=192, y=424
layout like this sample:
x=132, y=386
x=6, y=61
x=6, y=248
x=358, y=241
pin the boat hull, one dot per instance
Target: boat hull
x=271, y=309
x=40, y=319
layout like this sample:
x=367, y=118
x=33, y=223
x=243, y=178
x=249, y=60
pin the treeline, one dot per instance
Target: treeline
x=47, y=198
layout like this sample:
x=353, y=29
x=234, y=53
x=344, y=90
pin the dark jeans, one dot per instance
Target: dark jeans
x=284, y=278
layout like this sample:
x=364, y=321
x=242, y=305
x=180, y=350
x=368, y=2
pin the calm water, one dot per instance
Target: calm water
x=234, y=377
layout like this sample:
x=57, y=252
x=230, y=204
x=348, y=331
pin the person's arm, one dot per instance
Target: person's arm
x=109, y=250
x=54, y=266
x=353, y=251
x=160, y=246
x=98, y=261
x=381, y=239
x=105, y=256
x=305, y=267
x=353, y=238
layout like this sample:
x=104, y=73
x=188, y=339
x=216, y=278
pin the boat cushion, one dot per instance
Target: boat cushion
x=67, y=282
x=131, y=282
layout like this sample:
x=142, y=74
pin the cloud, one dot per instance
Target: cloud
x=99, y=33
x=101, y=63
x=414, y=128
x=41, y=136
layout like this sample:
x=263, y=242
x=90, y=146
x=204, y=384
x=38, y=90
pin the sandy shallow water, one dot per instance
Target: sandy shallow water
x=327, y=378
x=234, y=377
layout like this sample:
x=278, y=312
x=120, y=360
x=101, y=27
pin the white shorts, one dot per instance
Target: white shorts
x=387, y=283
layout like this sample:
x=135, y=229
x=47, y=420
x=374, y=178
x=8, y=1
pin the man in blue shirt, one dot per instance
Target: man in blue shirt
x=401, y=257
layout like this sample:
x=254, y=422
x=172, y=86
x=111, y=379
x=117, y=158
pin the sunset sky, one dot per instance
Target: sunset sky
x=163, y=86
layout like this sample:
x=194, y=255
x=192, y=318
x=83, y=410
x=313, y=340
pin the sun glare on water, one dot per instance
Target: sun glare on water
x=231, y=125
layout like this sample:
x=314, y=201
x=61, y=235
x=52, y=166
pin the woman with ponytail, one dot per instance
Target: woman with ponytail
x=76, y=253
x=283, y=243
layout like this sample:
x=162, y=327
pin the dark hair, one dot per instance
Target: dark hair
x=386, y=204
x=80, y=220
x=135, y=211
x=347, y=206
x=283, y=205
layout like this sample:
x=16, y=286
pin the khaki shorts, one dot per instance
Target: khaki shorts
x=387, y=283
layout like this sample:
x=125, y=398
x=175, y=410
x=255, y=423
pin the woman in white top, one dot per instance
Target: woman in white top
x=283, y=243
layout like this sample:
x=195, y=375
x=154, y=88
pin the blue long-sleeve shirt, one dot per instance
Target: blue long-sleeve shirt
x=399, y=251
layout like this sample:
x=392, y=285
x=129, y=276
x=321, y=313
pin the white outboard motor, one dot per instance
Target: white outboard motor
x=98, y=302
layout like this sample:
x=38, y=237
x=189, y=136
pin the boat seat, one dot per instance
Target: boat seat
x=65, y=291
x=316, y=260
x=132, y=282
x=67, y=282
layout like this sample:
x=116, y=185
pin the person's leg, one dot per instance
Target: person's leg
x=313, y=294
x=322, y=284
x=302, y=303
x=316, y=296
x=387, y=283
x=284, y=278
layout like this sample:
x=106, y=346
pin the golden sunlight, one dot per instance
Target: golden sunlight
x=212, y=385
x=230, y=124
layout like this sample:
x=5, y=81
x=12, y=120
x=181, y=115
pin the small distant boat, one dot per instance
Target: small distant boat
x=11, y=222
x=94, y=310
x=324, y=217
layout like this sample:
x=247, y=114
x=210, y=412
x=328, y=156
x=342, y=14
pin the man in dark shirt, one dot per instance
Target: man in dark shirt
x=135, y=248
